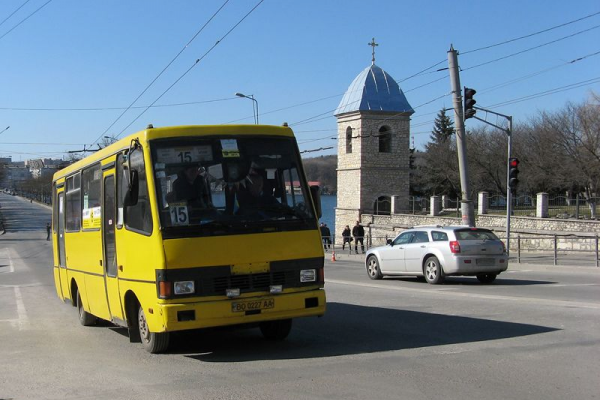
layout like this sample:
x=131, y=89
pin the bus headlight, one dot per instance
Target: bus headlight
x=184, y=287
x=308, y=275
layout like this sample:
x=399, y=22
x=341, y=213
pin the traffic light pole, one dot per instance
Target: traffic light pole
x=466, y=206
x=509, y=204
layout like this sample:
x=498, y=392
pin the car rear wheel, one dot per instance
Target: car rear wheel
x=486, y=278
x=373, y=268
x=433, y=271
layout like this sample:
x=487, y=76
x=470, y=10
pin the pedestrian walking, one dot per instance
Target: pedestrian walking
x=347, y=238
x=48, y=229
x=359, y=233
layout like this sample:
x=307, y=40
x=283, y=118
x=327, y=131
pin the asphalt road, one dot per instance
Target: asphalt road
x=534, y=334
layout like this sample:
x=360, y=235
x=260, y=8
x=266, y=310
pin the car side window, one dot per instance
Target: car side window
x=439, y=236
x=421, y=237
x=404, y=238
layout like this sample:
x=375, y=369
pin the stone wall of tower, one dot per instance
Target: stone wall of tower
x=365, y=174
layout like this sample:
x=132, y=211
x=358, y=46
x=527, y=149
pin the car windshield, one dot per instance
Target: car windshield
x=216, y=186
x=475, y=234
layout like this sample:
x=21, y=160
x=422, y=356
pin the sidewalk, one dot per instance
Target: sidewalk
x=537, y=260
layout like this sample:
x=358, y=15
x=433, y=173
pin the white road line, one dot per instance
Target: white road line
x=431, y=291
x=23, y=320
x=11, y=267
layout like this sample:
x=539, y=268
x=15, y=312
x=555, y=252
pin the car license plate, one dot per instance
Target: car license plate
x=241, y=306
x=486, y=262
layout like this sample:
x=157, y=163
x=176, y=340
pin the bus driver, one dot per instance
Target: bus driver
x=190, y=186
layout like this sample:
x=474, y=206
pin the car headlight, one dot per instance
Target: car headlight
x=184, y=287
x=308, y=275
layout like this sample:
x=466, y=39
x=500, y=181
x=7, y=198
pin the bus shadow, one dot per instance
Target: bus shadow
x=347, y=329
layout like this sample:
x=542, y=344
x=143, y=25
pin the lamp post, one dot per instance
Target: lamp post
x=4, y=130
x=254, y=109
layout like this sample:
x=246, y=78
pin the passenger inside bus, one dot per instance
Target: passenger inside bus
x=256, y=194
x=191, y=186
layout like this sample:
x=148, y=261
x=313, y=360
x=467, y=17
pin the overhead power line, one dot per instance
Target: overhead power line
x=531, y=48
x=193, y=65
x=25, y=19
x=161, y=72
x=14, y=12
x=531, y=34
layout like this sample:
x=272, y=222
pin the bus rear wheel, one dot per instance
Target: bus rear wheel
x=153, y=342
x=276, y=330
x=85, y=318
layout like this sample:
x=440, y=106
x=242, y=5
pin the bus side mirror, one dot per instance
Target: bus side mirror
x=315, y=193
x=131, y=197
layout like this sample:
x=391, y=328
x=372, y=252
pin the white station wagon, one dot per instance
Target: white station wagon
x=436, y=252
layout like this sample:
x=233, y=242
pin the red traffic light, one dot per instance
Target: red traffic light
x=513, y=162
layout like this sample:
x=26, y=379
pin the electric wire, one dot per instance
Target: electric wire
x=14, y=12
x=193, y=65
x=163, y=70
x=24, y=19
x=531, y=48
x=531, y=34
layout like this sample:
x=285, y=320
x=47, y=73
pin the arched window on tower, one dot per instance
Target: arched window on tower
x=349, y=140
x=382, y=206
x=385, y=139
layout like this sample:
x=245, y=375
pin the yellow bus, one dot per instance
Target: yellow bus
x=190, y=227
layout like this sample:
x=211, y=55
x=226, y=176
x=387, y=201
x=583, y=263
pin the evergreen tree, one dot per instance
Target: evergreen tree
x=443, y=128
x=439, y=171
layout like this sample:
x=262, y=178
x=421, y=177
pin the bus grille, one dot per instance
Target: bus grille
x=253, y=282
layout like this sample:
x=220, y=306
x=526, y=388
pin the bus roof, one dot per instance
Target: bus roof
x=173, y=132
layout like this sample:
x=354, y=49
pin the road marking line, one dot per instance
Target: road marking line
x=549, y=302
x=11, y=267
x=23, y=320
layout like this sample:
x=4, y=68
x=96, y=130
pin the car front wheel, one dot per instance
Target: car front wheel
x=373, y=268
x=434, y=274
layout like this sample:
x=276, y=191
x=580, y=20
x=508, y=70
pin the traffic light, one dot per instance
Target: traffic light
x=513, y=173
x=469, y=103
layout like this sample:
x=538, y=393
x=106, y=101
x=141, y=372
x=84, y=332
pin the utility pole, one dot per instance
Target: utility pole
x=466, y=204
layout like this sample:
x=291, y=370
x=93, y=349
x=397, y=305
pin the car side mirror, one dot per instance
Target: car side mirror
x=131, y=197
x=389, y=241
x=315, y=193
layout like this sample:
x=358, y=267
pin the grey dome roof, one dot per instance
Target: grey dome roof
x=374, y=90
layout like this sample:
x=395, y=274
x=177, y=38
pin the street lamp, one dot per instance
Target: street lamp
x=5, y=129
x=254, y=109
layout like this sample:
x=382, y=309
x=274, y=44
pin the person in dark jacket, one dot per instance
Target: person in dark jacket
x=190, y=186
x=359, y=233
x=346, y=238
x=48, y=229
x=326, y=236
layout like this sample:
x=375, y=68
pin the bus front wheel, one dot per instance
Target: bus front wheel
x=153, y=342
x=276, y=330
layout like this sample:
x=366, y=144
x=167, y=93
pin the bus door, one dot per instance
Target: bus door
x=62, y=258
x=109, y=222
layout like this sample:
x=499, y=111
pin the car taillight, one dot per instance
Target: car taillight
x=503, y=246
x=454, y=246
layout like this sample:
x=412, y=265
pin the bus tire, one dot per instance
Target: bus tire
x=85, y=318
x=276, y=330
x=153, y=342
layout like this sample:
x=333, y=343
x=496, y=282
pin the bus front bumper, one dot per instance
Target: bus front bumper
x=246, y=310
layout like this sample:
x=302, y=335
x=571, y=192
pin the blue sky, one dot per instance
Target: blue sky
x=298, y=57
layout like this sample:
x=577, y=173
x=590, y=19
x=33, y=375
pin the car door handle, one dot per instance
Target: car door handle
x=423, y=246
x=401, y=248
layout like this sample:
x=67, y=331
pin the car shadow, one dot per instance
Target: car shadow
x=347, y=329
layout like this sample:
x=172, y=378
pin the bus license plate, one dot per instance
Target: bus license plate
x=242, y=306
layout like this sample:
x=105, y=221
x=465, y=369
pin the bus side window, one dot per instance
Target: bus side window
x=137, y=218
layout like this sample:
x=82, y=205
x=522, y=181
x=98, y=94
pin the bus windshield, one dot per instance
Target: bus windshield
x=210, y=186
